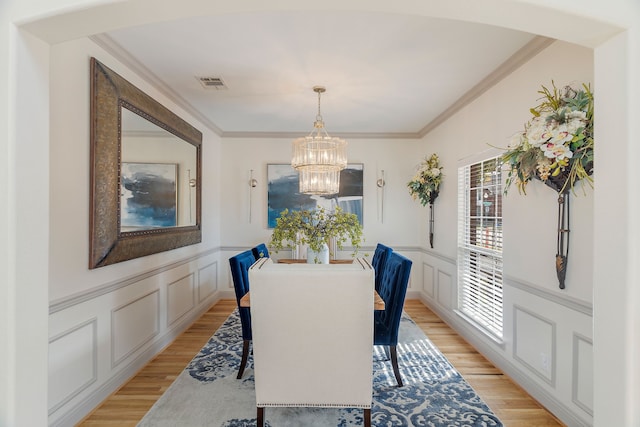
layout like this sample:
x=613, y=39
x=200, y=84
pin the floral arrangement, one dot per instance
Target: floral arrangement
x=557, y=144
x=425, y=184
x=315, y=228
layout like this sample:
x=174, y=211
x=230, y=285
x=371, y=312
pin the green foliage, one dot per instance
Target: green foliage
x=556, y=146
x=425, y=184
x=316, y=227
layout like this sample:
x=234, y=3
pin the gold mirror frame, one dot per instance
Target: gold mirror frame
x=107, y=243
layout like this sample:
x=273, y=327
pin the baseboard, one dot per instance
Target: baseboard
x=228, y=294
x=550, y=402
x=83, y=408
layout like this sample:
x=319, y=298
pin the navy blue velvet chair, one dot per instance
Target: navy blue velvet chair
x=379, y=260
x=260, y=251
x=240, y=264
x=393, y=289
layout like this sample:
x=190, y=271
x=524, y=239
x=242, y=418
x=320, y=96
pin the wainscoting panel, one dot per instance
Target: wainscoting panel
x=428, y=279
x=582, y=386
x=73, y=363
x=534, y=343
x=102, y=337
x=133, y=325
x=444, y=289
x=180, y=298
x=207, y=281
x=547, y=345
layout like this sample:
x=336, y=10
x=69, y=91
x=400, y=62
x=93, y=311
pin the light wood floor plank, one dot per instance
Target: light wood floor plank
x=131, y=402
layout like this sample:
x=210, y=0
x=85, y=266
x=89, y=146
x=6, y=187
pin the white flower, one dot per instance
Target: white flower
x=560, y=135
x=435, y=172
x=516, y=141
x=574, y=124
x=537, y=130
x=577, y=115
x=556, y=151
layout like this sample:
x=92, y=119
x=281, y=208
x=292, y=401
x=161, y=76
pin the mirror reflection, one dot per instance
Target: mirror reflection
x=146, y=164
x=157, y=177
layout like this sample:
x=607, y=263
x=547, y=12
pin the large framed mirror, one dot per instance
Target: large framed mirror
x=146, y=167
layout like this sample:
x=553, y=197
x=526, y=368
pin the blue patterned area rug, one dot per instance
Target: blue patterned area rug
x=207, y=392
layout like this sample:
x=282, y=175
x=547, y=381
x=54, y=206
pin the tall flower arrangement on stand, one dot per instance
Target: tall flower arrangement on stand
x=425, y=186
x=555, y=147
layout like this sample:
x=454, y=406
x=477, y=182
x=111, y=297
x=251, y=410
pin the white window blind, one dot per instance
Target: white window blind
x=480, y=244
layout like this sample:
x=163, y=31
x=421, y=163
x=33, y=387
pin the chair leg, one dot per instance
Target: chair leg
x=367, y=418
x=260, y=422
x=245, y=356
x=394, y=363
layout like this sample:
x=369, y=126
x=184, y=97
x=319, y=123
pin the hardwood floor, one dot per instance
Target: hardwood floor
x=510, y=403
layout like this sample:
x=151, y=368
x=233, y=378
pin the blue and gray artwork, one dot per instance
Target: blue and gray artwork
x=283, y=192
x=148, y=195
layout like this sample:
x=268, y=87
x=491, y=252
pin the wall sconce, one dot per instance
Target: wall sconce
x=380, y=183
x=192, y=184
x=253, y=183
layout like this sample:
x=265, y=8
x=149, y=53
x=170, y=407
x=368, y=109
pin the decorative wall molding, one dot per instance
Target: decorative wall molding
x=70, y=301
x=93, y=323
x=202, y=295
x=174, y=292
x=428, y=279
x=496, y=356
x=79, y=410
x=536, y=45
x=531, y=49
x=571, y=414
x=444, y=289
x=529, y=358
x=130, y=309
x=577, y=363
x=113, y=48
x=433, y=254
x=555, y=297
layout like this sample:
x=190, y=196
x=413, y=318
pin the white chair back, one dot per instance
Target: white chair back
x=312, y=334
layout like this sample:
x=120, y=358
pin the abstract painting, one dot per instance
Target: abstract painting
x=148, y=196
x=282, y=193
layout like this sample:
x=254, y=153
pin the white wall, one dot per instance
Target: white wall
x=106, y=323
x=399, y=224
x=69, y=182
x=529, y=221
x=548, y=332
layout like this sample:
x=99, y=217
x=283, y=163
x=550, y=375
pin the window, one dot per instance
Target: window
x=480, y=244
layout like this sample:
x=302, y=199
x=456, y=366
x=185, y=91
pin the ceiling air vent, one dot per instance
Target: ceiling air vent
x=212, y=83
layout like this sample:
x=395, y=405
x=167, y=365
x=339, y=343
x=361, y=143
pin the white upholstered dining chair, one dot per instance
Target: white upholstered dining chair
x=312, y=335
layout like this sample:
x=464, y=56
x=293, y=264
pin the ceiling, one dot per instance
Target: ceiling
x=386, y=75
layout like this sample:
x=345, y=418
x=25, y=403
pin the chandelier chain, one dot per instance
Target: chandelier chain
x=319, y=122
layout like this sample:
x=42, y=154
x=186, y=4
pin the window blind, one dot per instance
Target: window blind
x=480, y=244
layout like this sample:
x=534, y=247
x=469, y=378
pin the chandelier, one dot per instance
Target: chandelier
x=319, y=158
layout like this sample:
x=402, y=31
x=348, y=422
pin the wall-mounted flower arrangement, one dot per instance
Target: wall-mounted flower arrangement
x=555, y=147
x=425, y=186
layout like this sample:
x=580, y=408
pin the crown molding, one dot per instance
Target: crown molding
x=113, y=48
x=515, y=61
x=531, y=49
